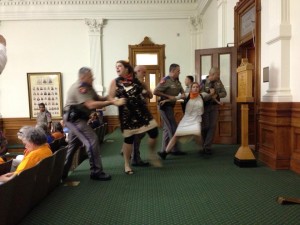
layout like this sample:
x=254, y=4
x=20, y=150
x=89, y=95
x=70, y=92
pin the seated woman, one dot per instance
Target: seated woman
x=190, y=124
x=2, y=160
x=35, y=142
x=57, y=131
x=19, y=158
x=94, y=120
x=44, y=127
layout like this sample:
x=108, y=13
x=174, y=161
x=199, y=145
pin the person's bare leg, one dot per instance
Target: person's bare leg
x=171, y=144
x=127, y=148
x=154, y=160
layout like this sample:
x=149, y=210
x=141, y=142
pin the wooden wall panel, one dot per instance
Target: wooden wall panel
x=11, y=127
x=224, y=133
x=295, y=135
x=112, y=123
x=275, y=135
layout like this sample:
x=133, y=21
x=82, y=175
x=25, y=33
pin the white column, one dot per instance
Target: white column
x=95, y=34
x=196, y=27
x=222, y=23
x=278, y=41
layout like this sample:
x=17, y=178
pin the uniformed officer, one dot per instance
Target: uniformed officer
x=81, y=99
x=169, y=88
x=44, y=116
x=215, y=88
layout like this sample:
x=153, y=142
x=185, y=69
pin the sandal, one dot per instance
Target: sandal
x=129, y=172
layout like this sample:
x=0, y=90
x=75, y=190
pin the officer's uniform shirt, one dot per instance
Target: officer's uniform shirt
x=79, y=93
x=44, y=117
x=171, y=87
x=217, y=85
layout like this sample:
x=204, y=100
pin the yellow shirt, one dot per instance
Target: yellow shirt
x=1, y=160
x=34, y=157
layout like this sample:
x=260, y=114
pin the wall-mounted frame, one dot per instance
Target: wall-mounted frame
x=245, y=21
x=45, y=88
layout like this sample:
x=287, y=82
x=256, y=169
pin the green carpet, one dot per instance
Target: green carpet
x=189, y=189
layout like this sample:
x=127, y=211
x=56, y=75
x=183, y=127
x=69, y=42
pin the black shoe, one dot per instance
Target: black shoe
x=141, y=164
x=162, y=155
x=207, y=151
x=101, y=176
x=178, y=153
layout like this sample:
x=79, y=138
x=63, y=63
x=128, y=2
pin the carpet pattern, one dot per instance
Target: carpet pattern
x=189, y=189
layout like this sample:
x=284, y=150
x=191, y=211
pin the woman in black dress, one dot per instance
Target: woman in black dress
x=134, y=116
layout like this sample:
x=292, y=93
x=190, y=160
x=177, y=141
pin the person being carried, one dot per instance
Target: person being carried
x=190, y=124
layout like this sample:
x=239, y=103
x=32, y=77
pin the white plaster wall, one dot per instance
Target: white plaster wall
x=264, y=47
x=230, y=21
x=295, y=47
x=210, y=26
x=63, y=46
x=39, y=46
x=271, y=54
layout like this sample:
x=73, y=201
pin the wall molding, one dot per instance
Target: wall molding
x=93, y=2
x=108, y=9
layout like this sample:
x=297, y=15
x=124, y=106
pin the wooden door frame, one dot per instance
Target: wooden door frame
x=215, y=52
x=147, y=46
x=244, y=43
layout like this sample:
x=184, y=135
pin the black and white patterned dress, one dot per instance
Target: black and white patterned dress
x=134, y=116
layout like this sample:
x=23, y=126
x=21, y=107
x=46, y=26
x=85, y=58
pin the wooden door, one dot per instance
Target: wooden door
x=225, y=59
x=152, y=56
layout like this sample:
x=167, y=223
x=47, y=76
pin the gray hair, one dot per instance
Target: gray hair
x=83, y=70
x=22, y=131
x=36, y=136
x=214, y=70
x=139, y=67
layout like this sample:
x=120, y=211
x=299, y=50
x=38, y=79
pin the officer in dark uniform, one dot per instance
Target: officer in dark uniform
x=214, y=87
x=81, y=99
x=169, y=88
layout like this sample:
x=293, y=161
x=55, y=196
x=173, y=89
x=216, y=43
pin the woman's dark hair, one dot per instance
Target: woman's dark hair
x=127, y=66
x=57, y=127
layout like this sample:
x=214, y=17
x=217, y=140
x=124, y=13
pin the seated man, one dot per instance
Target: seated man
x=35, y=141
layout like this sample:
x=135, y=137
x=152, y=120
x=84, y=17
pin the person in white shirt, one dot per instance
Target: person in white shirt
x=3, y=56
